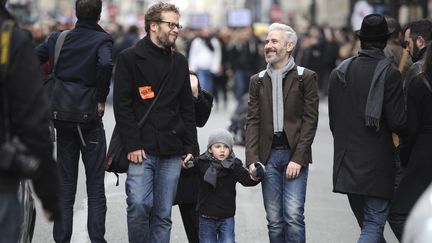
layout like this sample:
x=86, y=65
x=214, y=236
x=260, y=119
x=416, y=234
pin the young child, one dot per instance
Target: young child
x=220, y=170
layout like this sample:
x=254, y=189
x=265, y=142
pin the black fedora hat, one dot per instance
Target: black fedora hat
x=374, y=27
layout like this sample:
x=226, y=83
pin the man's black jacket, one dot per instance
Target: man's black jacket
x=170, y=128
x=84, y=58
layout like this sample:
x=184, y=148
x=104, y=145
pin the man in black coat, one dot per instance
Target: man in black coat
x=155, y=150
x=415, y=177
x=28, y=116
x=365, y=106
x=417, y=36
x=84, y=61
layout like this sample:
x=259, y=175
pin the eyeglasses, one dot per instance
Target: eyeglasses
x=171, y=25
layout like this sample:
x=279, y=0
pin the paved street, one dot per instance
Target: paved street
x=328, y=217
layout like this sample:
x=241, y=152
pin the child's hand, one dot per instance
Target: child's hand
x=256, y=171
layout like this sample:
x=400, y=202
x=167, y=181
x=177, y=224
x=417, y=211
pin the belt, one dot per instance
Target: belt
x=279, y=147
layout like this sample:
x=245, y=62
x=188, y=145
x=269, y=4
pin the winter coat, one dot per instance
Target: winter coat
x=364, y=158
x=170, y=128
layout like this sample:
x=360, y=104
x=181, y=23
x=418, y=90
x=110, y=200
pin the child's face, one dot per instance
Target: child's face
x=219, y=150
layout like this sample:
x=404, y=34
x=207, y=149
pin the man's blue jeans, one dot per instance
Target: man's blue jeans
x=10, y=217
x=284, y=199
x=216, y=230
x=371, y=214
x=93, y=150
x=151, y=188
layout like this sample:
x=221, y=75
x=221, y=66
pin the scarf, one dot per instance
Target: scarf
x=216, y=166
x=375, y=97
x=277, y=76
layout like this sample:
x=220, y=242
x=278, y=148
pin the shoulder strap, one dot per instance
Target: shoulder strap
x=164, y=81
x=58, y=47
x=6, y=33
x=300, y=71
x=259, y=81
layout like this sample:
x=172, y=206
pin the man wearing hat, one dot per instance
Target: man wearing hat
x=366, y=105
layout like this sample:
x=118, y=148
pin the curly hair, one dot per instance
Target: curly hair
x=154, y=13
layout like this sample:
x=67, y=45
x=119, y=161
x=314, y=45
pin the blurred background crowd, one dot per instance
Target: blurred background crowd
x=234, y=30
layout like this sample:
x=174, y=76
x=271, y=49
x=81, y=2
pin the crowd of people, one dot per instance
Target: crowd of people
x=378, y=82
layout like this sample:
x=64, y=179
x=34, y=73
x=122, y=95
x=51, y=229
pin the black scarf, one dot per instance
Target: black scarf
x=375, y=97
x=207, y=41
x=216, y=167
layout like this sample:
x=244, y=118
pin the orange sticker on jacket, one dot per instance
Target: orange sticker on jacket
x=146, y=92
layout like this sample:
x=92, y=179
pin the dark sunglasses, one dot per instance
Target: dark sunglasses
x=171, y=25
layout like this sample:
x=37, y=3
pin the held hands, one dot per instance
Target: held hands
x=137, y=156
x=293, y=170
x=252, y=170
x=186, y=160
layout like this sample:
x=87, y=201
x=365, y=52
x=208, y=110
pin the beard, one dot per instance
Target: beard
x=415, y=56
x=278, y=56
x=164, y=40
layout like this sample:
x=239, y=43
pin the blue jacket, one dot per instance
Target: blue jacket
x=85, y=57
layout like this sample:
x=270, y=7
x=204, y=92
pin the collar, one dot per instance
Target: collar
x=146, y=45
x=89, y=25
x=373, y=53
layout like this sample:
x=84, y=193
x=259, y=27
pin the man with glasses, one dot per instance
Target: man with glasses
x=156, y=149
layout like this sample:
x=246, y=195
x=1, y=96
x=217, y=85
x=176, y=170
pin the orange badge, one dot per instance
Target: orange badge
x=146, y=92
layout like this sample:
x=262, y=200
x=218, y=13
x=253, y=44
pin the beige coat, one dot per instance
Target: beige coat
x=300, y=117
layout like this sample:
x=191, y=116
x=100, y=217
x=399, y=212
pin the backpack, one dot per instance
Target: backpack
x=70, y=101
x=300, y=71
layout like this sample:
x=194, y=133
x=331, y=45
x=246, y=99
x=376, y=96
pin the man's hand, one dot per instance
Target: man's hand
x=137, y=156
x=101, y=109
x=185, y=159
x=293, y=170
x=194, y=85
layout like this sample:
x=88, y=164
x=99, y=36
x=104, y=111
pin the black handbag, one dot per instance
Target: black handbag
x=70, y=101
x=116, y=160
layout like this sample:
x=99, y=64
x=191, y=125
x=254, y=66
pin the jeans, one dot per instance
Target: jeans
x=206, y=80
x=151, y=188
x=92, y=146
x=10, y=217
x=284, y=199
x=242, y=78
x=371, y=214
x=216, y=230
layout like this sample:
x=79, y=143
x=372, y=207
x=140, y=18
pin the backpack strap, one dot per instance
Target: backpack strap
x=260, y=81
x=58, y=47
x=300, y=71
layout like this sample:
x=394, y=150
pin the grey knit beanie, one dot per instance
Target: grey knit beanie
x=221, y=135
